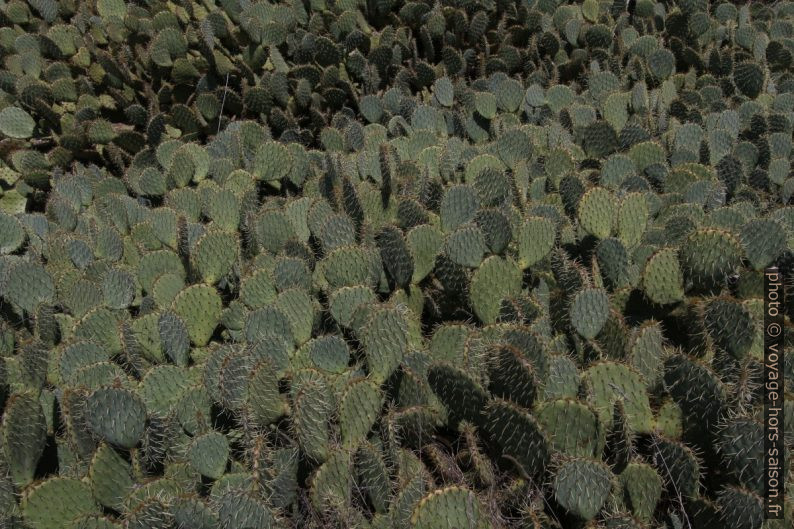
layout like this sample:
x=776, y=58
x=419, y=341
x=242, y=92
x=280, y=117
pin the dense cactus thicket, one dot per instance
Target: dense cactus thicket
x=389, y=264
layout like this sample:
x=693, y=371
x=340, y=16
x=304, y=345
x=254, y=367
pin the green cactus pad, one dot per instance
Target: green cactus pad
x=662, y=279
x=646, y=350
x=257, y=289
x=272, y=161
x=358, y=409
x=13, y=234
x=385, y=340
x=191, y=511
x=466, y=246
x=463, y=396
x=495, y=279
x=264, y=403
x=208, y=454
x=27, y=285
x=214, y=255
x=512, y=376
x=563, y=378
x=332, y=484
x=244, y=509
x=596, y=212
x=24, y=436
x=730, y=324
x=709, y=255
x=311, y=409
x=117, y=416
x=373, y=476
x=642, y=487
x=16, y=123
x=606, y=382
x=57, y=501
x=632, y=218
x=110, y=477
x=589, y=311
x=459, y=206
x=345, y=301
x=449, y=508
x=199, y=306
x=424, y=243
x=519, y=435
x=763, y=240
x=352, y=266
x=572, y=428
x=536, y=238
x=581, y=486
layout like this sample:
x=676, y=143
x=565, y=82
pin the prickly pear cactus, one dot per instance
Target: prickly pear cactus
x=403, y=264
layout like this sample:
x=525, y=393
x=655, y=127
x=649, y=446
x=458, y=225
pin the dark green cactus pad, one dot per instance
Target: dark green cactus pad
x=513, y=376
x=678, y=466
x=741, y=508
x=749, y=79
x=731, y=325
x=614, y=263
x=741, y=450
x=463, y=396
x=697, y=389
x=709, y=255
x=373, y=476
x=24, y=436
x=519, y=435
x=116, y=415
x=397, y=259
x=619, y=440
